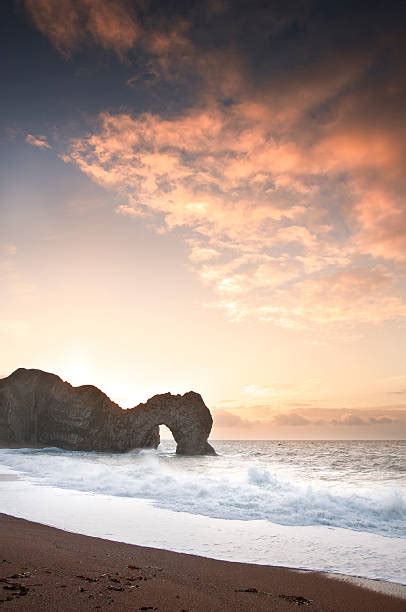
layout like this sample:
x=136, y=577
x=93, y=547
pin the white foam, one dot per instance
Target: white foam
x=219, y=487
x=137, y=522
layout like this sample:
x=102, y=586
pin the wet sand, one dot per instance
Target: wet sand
x=43, y=568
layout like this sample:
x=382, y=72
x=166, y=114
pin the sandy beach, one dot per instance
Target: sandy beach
x=42, y=568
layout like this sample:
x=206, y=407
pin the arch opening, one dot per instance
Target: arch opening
x=167, y=442
x=165, y=433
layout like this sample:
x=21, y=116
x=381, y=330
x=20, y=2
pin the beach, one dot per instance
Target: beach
x=311, y=505
x=43, y=568
x=152, y=531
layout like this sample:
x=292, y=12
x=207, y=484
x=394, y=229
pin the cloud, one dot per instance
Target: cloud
x=113, y=25
x=226, y=419
x=287, y=189
x=290, y=420
x=381, y=221
x=69, y=24
x=381, y=420
x=348, y=419
x=269, y=422
x=353, y=419
x=37, y=141
x=251, y=209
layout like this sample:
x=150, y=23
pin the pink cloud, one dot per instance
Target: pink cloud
x=37, y=141
x=381, y=221
x=258, y=229
x=310, y=423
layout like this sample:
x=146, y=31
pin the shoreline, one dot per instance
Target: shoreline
x=46, y=568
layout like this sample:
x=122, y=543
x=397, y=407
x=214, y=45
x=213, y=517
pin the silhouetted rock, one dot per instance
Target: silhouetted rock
x=40, y=409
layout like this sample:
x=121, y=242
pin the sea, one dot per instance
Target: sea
x=335, y=506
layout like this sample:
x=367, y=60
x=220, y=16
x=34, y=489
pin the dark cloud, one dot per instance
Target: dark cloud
x=383, y=420
x=309, y=417
x=290, y=420
x=226, y=419
x=348, y=419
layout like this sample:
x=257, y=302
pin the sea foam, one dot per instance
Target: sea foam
x=226, y=487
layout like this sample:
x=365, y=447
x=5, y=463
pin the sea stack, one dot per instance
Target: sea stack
x=40, y=409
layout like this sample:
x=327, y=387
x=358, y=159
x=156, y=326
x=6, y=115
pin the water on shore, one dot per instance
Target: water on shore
x=334, y=506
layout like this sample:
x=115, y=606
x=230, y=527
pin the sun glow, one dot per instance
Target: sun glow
x=76, y=368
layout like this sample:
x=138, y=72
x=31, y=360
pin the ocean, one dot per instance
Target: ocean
x=337, y=506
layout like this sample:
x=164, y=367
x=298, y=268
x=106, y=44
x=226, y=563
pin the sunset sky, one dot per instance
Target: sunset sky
x=210, y=195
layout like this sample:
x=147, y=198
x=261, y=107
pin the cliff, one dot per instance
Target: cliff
x=40, y=409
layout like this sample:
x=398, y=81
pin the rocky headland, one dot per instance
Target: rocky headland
x=40, y=409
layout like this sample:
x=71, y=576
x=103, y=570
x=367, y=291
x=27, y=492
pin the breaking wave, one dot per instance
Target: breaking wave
x=219, y=487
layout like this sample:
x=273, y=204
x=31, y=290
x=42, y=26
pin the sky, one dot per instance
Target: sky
x=210, y=195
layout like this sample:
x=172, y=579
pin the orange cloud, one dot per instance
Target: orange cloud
x=381, y=221
x=259, y=231
x=281, y=205
x=110, y=24
x=68, y=23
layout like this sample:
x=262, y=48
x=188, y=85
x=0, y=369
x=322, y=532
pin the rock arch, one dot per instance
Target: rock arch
x=38, y=408
x=186, y=416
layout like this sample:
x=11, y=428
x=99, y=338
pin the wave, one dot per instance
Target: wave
x=218, y=488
